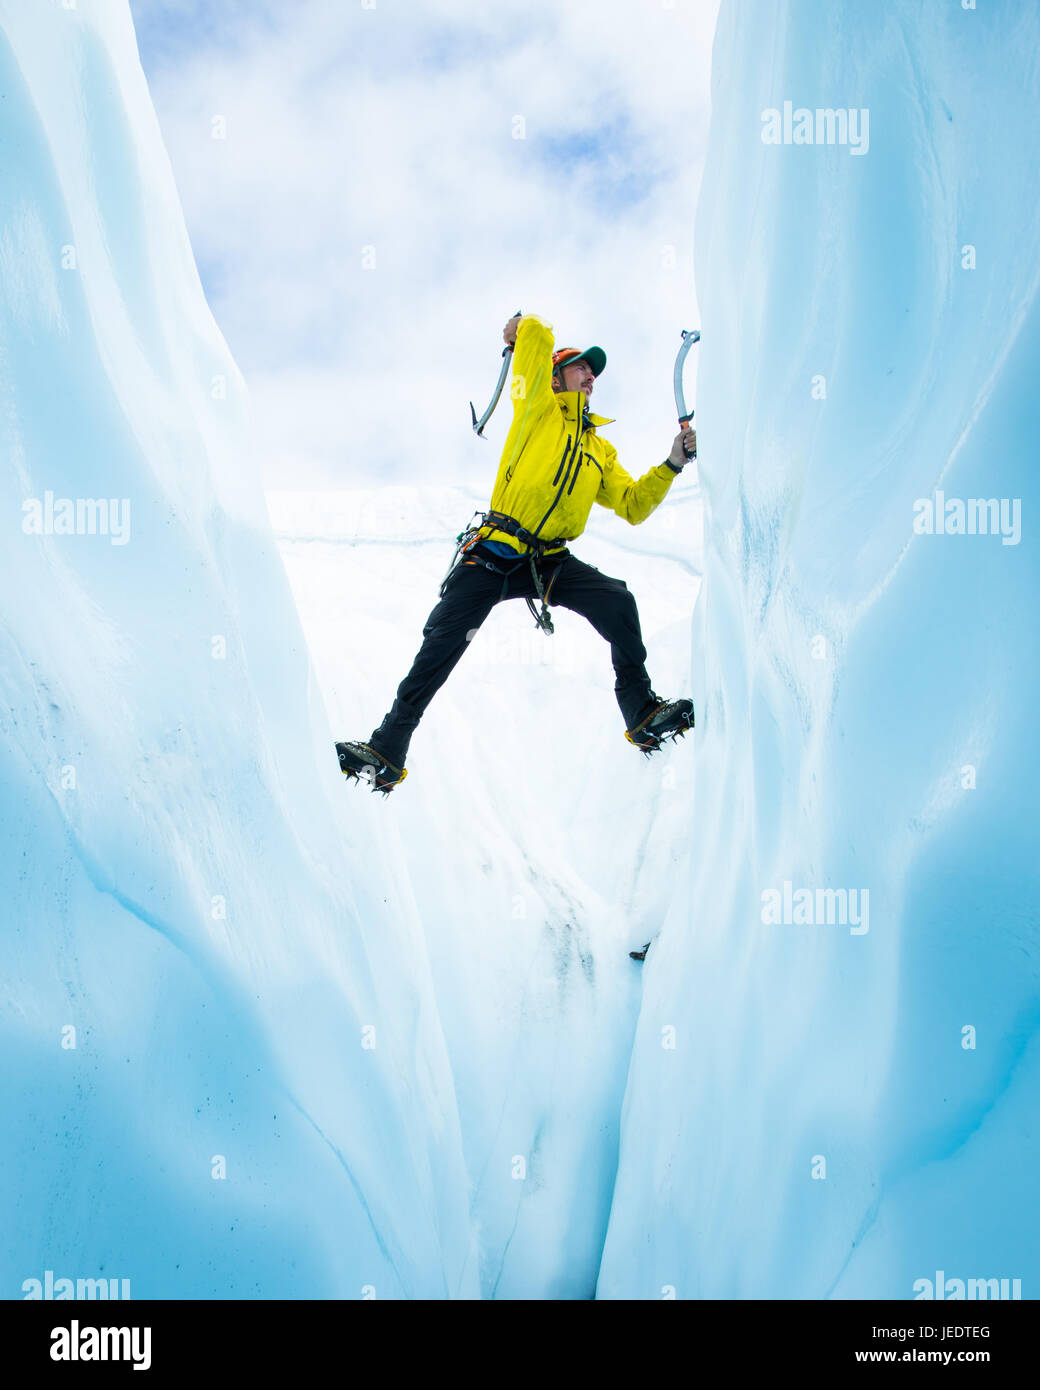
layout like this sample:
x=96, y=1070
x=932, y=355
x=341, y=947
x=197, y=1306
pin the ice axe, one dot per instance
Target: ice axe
x=507, y=357
x=689, y=337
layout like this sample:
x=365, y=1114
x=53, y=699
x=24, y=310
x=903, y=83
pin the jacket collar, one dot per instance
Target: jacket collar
x=570, y=404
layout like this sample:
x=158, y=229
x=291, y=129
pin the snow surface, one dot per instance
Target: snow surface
x=191, y=886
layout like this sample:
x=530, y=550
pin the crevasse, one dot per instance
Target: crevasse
x=264, y=1040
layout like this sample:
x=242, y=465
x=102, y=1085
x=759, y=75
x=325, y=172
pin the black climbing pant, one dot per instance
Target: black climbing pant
x=476, y=585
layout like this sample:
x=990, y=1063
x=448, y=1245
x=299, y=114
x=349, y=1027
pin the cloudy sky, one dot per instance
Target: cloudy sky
x=373, y=186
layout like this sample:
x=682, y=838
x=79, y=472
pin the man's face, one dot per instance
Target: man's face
x=577, y=376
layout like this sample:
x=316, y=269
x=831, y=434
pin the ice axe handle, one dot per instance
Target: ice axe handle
x=685, y=420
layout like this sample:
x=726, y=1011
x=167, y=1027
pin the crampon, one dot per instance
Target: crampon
x=667, y=721
x=366, y=766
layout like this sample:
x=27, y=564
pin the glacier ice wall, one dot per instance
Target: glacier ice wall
x=814, y=1110
x=223, y=1070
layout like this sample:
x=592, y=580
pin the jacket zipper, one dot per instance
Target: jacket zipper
x=563, y=461
x=576, y=441
x=574, y=475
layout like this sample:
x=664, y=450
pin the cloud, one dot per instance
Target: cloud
x=395, y=181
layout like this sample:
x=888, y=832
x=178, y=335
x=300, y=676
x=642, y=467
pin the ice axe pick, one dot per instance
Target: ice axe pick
x=507, y=357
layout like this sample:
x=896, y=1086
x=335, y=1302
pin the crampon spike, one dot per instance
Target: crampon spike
x=359, y=770
x=658, y=741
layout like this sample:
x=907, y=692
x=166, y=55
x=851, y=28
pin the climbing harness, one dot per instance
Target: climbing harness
x=466, y=540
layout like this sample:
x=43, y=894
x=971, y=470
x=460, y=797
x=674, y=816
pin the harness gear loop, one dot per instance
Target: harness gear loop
x=543, y=618
x=464, y=541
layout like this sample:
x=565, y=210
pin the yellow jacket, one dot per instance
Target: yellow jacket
x=554, y=464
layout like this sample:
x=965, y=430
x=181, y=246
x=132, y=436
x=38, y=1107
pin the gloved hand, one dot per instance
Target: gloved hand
x=685, y=439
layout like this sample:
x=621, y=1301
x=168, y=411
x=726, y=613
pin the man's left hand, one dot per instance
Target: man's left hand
x=686, y=439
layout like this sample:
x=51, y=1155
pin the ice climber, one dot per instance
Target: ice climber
x=554, y=466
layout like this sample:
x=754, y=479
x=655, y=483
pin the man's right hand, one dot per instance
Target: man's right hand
x=509, y=332
x=685, y=439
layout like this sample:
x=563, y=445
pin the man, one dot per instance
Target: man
x=555, y=464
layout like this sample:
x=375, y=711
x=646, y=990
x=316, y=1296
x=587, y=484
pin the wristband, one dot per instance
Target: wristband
x=675, y=467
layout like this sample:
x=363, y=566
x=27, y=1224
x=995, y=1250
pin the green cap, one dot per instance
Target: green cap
x=594, y=356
